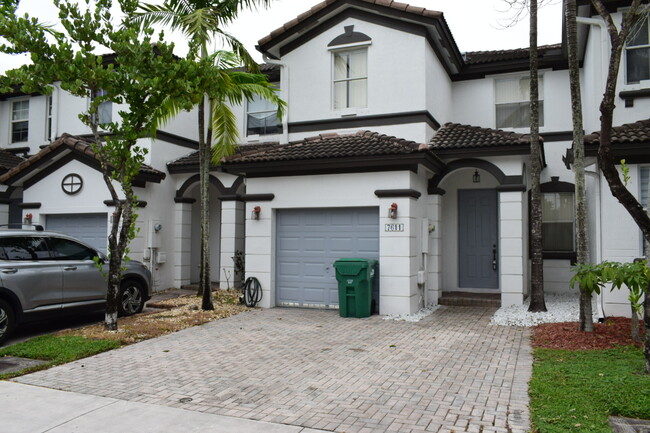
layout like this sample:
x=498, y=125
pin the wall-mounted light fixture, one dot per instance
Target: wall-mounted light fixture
x=255, y=215
x=392, y=211
x=477, y=177
x=28, y=219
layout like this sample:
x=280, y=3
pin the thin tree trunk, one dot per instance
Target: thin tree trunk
x=582, y=246
x=205, y=289
x=537, y=302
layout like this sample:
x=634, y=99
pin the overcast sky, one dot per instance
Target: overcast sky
x=475, y=24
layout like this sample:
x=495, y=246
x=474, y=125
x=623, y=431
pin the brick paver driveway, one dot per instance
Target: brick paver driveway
x=451, y=371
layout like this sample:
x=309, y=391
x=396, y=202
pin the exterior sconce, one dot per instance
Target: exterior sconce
x=392, y=211
x=477, y=177
x=28, y=218
x=255, y=215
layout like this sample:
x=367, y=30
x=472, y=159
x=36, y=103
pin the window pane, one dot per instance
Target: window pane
x=358, y=64
x=19, y=131
x=638, y=64
x=358, y=93
x=24, y=248
x=263, y=123
x=340, y=95
x=340, y=66
x=557, y=237
x=639, y=34
x=64, y=249
x=20, y=110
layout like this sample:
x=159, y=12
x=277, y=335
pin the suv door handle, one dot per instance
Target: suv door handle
x=9, y=271
x=70, y=268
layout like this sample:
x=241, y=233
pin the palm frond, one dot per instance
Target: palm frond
x=224, y=130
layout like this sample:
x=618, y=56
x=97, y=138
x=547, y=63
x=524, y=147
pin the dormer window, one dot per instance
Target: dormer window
x=637, y=55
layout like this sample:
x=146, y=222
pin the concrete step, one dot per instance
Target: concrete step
x=468, y=299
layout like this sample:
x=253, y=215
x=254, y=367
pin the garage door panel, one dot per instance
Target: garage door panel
x=90, y=228
x=304, y=272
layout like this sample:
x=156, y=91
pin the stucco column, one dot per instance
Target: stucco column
x=434, y=265
x=232, y=241
x=260, y=247
x=512, y=255
x=399, y=255
x=182, y=242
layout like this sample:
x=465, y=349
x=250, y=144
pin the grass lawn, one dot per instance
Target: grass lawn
x=56, y=350
x=576, y=391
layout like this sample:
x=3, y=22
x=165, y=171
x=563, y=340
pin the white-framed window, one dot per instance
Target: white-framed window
x=20, y=121
x=105, y=108
x=512, y=102
x=558, y=222
x=48, y=119
x=261, y=116
x=637, y=54
x=644, y=178
x=350, y=85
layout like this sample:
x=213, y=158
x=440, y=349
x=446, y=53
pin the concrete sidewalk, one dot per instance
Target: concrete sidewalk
x=33, y=409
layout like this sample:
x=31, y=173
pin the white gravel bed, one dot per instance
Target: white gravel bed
x=415, y=317
x=561, y=308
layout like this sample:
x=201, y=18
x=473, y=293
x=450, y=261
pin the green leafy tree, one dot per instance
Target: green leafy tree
x=202, y=22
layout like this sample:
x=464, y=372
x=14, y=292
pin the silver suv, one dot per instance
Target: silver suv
x=44, y=273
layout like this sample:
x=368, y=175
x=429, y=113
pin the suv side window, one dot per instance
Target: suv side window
x=23, y=248
x=65, y=249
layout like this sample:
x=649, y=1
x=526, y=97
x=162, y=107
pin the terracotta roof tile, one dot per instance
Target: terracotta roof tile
x=457, y=136
x=637, y=132
x=192, y=159
x=478, y=57
x=325, y=146
x=416, y=10
x=8, y=160
x=77, y=144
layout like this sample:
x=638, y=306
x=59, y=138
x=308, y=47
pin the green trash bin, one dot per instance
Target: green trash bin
x=355, y=278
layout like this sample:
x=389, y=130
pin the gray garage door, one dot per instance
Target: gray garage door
x=309, y=241
x=90, y=228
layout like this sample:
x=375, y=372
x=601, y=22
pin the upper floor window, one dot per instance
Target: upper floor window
x=19, y=121
x=512, y=102
x=48, y=119
x=637, y=54
x=351, y=79
x=105, y=108
x=261, y=116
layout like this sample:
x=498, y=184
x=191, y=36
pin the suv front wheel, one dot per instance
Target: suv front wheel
x=7, y=320
x=131, y=298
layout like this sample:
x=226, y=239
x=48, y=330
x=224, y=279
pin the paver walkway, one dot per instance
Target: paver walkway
x=451, y=371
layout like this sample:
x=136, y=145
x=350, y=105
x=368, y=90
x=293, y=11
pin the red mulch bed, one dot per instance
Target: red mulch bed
x=614, y=332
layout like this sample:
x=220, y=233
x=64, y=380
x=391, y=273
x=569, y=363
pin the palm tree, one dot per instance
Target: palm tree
x=202, y=21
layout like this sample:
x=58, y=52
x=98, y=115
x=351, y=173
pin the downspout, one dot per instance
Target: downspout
x=55, y=111
x=284, y=89
x=599, y=239
x=604, y=48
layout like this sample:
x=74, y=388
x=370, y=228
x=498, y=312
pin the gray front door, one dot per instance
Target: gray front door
x=477, y=239
x=309, y=241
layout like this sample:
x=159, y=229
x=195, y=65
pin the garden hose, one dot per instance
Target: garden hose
x=252, y=292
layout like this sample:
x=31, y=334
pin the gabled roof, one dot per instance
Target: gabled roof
x=332, y=153
x=60, y=152
x=323, y=16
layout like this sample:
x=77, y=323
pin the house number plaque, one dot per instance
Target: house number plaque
x=394, y=227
